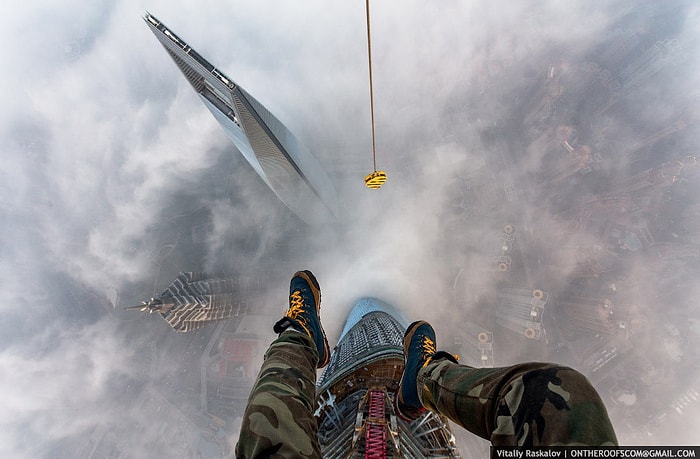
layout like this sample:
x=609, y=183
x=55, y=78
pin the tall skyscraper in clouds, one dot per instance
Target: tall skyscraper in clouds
x=284, y=164
x=356, y=416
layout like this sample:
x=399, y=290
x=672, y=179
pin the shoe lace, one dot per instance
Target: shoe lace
x=428, y=348
x=296, y=310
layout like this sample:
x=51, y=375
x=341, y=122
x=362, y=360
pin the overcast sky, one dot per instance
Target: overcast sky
x=99, y=131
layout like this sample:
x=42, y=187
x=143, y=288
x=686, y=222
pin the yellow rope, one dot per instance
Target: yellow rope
x=371, y=92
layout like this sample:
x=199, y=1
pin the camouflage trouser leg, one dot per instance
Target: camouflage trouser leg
x=279, y=420
x=526, y=405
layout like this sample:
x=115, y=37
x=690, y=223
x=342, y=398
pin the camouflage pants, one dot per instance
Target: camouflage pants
x=527, y=404
x=279, y=420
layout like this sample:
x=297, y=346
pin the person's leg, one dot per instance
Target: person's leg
x=279, y=421
x=527, y=404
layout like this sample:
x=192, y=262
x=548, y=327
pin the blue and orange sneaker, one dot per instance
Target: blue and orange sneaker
x=419, y=350
x=303, y=313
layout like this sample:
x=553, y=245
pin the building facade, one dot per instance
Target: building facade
x=521, y=309
x=281, y=161
x=355, y=413
x=196, y=299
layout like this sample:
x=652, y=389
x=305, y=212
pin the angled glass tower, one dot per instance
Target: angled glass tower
x=355, y=393
x=284, y=164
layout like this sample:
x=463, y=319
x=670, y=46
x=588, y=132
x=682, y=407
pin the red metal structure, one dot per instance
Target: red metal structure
x=375, y=428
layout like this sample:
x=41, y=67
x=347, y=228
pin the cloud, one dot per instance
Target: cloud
x=59, y=383
x=115, y=177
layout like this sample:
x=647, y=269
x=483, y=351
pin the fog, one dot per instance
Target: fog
x=572, y=122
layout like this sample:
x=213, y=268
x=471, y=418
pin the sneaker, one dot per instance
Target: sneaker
x=303, y=313
x=419, y=350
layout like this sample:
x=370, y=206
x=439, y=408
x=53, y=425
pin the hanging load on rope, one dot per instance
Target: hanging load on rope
x=377, y=178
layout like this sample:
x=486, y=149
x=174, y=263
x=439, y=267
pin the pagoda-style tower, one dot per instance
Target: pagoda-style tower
x=196, y=299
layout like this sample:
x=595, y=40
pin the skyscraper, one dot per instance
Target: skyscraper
x=196, y=299
x=520, y=310
x=356, y=416
x=284, y=164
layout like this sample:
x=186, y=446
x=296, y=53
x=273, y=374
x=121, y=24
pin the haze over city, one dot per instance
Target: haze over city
x=574, y=125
